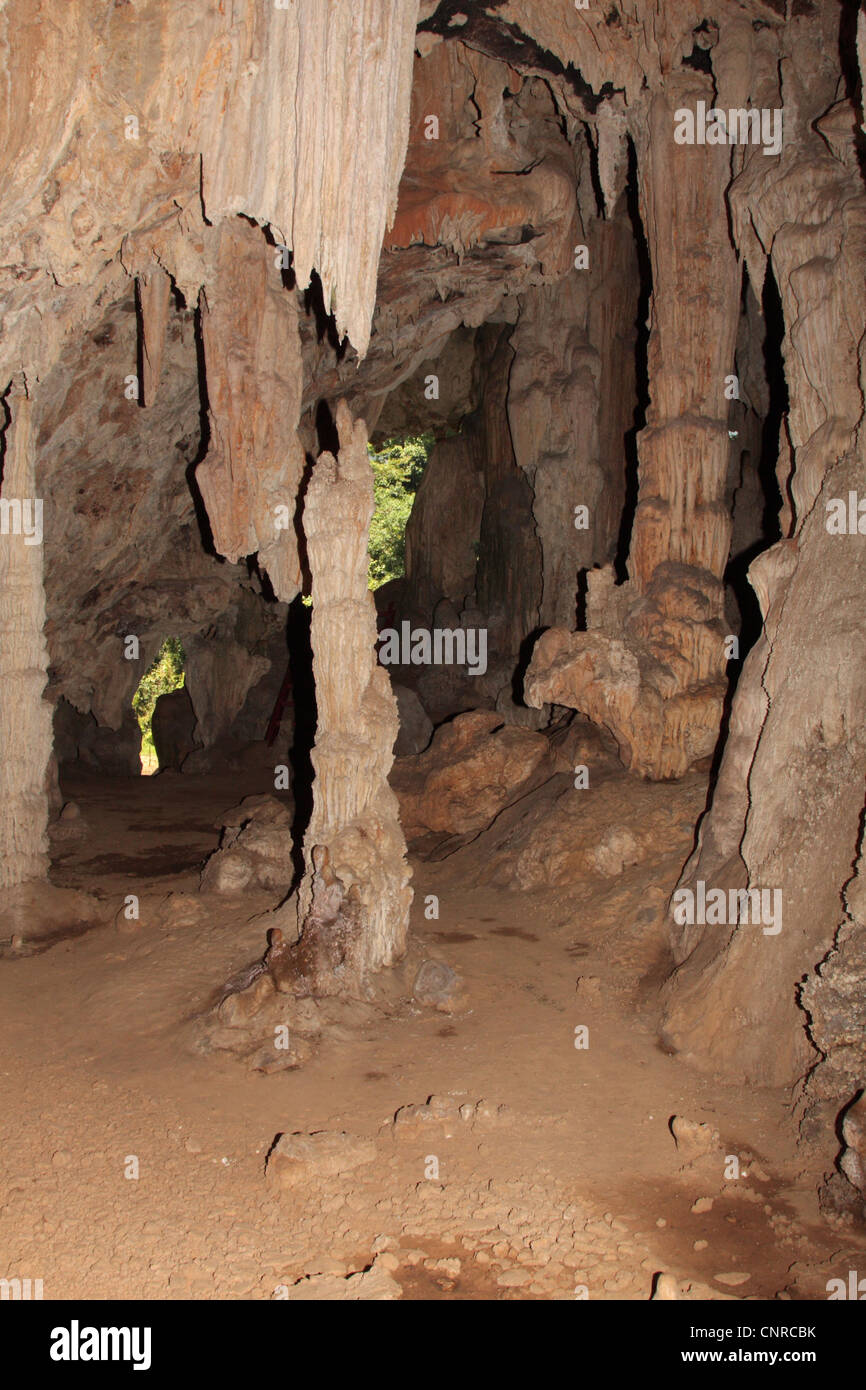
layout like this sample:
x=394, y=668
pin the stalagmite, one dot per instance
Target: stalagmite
x=355, y=814
x=25, y=717
x=651, y=666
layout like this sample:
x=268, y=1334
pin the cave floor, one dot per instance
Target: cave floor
x=575, y=1188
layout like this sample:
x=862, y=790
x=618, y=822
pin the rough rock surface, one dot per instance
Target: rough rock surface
x=173, y=725
x=354, y=810
x=794, y=753
x=416, y=729
x=475, y=766
x=24, y=767
x=253, y=848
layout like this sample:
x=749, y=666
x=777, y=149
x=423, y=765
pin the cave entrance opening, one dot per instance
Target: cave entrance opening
x=165, y=674
x=398, y=465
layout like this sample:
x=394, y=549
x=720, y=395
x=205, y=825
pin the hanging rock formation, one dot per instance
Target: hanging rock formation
x=250, y=477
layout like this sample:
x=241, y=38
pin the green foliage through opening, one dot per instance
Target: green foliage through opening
x=166, y=673
x=397, y=469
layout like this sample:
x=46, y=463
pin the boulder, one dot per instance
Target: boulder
x=475, y=766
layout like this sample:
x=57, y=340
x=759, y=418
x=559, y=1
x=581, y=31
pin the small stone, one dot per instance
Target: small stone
x=666, y=1290
x=450, y=1267
x=374, y=1283
x=701, y=1205
x=693, y=1139
x=298, y=1157
x=588, y=989
x=700, y=1245
x=514, y=1278
x=436, y=985
x=442, y=1107
x=661, y=1222
x=733, y=1279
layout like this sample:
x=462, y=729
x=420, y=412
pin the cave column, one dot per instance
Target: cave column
x=651, y=665
x=682, y=515
x=25, y=716
x=795, y=750
x=355, y=813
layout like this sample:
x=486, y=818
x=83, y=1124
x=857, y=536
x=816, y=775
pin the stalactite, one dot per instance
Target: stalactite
x=250, y=477
x=306, y=128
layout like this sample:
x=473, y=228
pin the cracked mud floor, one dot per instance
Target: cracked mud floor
x=566, y=1182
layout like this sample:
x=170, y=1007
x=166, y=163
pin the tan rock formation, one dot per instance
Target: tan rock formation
x=26, y=717
x=250, y=478
x=154, y=291
x=570, y=403
x=795, y=754
x=470, y=177
x=659, y=642
x=303, y=82
x=474, y=767
x=354, y=810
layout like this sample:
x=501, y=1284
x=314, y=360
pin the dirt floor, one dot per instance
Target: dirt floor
x=132, y=1165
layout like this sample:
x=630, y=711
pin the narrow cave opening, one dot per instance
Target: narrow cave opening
x=641, y=380
x=299, y=686
x=757, y=411
x=398, y=466
x=161, y=746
